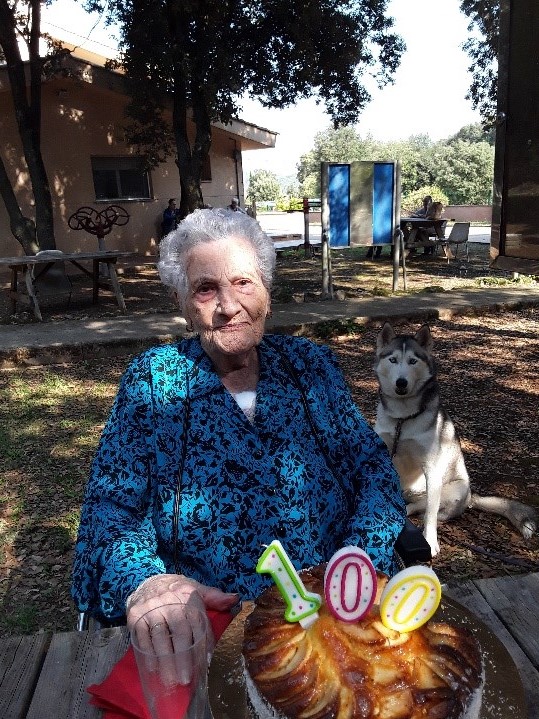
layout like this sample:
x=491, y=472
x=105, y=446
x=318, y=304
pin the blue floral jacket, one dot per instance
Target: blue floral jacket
x=183, y=482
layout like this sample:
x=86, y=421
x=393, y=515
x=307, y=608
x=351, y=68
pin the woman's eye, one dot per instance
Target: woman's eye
x=204, y=290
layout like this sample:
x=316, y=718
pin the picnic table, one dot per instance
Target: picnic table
x=28, y=266
x=46, y=675
x=410, y=227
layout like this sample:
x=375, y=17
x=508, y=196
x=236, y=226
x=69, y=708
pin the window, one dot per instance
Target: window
x=120, y=178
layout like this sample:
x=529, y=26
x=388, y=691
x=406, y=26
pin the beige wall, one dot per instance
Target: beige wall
x=81, y=120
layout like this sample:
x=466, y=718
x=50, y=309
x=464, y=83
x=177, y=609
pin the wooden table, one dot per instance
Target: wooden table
x=28, y=264
x=44, y=677
x=410, y=227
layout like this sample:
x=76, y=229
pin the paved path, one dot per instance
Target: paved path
x=38, y=343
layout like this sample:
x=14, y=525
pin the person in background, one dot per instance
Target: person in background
x=437, y=232
x=423, y=210
x=235, y=206
x=224, y=441
x=170, y=218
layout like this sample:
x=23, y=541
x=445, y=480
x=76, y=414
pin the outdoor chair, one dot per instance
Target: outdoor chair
x=458, y=236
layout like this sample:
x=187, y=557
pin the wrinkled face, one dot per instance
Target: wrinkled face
x=403, y=368
x=227, y=302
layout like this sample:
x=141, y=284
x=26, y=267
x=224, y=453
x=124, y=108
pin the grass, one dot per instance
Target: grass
x=51, y=421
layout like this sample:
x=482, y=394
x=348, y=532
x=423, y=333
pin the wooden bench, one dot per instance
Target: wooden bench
x=45, y=261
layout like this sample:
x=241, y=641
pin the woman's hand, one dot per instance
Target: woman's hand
x=164, y=629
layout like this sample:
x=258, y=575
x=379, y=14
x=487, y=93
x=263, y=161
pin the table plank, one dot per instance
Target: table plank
x=103, y=256
x=469, y=595
x=20, y=662
x=74, y=661
x=516, y=599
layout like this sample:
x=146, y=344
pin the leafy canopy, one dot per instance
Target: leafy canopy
x=263, y=187
x=482, y=48
x=461, y=167
x=210, y=53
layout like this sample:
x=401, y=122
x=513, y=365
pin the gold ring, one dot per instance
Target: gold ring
x=158, y=624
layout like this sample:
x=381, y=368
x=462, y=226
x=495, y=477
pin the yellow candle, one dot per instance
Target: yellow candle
x=410, y=599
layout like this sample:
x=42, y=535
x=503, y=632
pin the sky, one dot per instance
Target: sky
x=428, y=96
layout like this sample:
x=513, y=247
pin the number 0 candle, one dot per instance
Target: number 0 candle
x=350, y=584
x=301, y=606
x=410, y=599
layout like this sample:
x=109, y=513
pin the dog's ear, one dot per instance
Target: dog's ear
x=385, y=336
x=423, y=337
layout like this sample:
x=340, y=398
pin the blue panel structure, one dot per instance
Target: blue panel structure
x=339, y=205
x=382, y=203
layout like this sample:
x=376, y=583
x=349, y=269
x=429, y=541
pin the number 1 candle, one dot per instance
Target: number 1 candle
x=301, y=605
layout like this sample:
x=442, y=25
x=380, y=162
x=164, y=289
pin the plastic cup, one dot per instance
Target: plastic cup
x=171, y=649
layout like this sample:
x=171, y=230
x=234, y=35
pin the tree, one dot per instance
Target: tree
x=483, y=50
x=474, y=133
x=461, y=167
x=263, y=186
x=464, y=171
x=346, y=145
x=22, y=21
x=341, y=144
x=205, y=54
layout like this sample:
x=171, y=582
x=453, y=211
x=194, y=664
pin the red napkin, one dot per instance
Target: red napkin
x=120, y=694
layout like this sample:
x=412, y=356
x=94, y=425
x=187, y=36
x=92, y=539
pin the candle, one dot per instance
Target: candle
x=301, y=606
x=410, y=599
x=350, y=584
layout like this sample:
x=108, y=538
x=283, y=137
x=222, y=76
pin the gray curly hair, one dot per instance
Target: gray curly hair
x=209, y=226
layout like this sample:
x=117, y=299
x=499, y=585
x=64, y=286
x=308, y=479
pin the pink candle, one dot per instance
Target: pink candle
x=350, y=584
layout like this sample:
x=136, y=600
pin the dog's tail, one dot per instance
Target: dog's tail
x=523, y=517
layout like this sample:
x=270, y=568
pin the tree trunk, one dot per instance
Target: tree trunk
x=187, y=161
x=22, y=228
x=28, y=117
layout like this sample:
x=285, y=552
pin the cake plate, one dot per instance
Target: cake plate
x=503, y=693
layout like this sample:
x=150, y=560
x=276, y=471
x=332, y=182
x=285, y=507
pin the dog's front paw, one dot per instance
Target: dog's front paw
x=432, y=538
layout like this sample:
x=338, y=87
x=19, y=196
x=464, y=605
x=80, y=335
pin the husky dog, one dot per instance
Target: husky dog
x=423, y=441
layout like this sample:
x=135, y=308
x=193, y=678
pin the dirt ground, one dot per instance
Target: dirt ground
x=297, y=278
x=489, y=376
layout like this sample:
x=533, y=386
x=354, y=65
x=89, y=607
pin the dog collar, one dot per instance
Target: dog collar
x=398, y=428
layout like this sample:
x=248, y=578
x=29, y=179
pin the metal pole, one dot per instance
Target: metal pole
x=327, y=284
x=306, y=239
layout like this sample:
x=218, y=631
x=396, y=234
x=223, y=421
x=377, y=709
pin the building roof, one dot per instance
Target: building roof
x=91, y=67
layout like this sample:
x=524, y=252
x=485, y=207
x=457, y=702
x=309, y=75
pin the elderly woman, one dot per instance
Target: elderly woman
x=225, y=441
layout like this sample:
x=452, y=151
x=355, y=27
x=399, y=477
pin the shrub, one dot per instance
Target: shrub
x=413, y=200
x=287, y=204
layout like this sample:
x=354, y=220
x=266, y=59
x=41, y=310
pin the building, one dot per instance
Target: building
x=89, y=163
x=515, y=219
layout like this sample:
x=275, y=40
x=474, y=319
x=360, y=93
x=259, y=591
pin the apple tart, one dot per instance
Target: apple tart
x=361, y=670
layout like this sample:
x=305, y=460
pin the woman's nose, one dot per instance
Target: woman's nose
x=227, y=302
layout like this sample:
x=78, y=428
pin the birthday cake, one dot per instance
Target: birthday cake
x=333, y=669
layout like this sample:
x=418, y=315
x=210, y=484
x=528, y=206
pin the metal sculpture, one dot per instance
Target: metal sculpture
x=97, y=223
